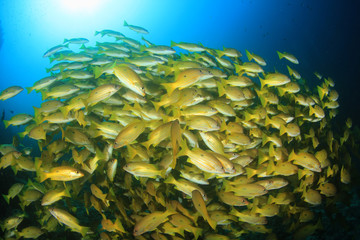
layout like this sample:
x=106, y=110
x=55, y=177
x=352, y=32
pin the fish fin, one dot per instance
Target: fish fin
x=7, y=199
x=250, y=172
x=291, y=72
x=36, y=111
x=156, y=105
x=65, y=110
x=270, y=168
x=262, y=83
x=67, y=193
x=219, y=52
x=29, y=89
x=238, y=68
x=292, y=156
x=85, y=104
x=184, y=148
x=167, y=69
x=282, y=129
x=169, y=87
x=98, y=71
x=170, y=179
x=248, y=54
x=311, y=110
x=84, y=231
x=212, y=223
x=281, y=91
x=42, y=176
x=6, y=123
x=221, y=89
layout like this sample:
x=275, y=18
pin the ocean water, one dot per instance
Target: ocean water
x=323, y=35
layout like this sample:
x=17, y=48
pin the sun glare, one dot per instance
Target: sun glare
x=81, y=6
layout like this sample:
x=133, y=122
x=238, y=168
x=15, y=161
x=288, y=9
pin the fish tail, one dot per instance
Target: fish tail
x=282, y=129
x=86, y=104
x=280, y=54
x=321, y=92
x=163, y=173
x=267, y=121
x=238, y=68
x=125, y=23
x=248, y=54
x=281, y=91
x=292, y=156
x=270, y=199
x=263, y=100
x=29, y=89
x=6, y=197
x=36, y=111
x=172, y=44
x=170, y=179
x=84, y=231
x=196, y=231
x=44, y=95
x=184, y=148
x=262, y=83
x=6, y=123
x=165, y=68
x=311, y=110
x=51, y=59
x=221, y=88
x=271, y=167
x=212, y=223
x=169, y=87
x=291, y=72
x=65, y=110
x=42, y=176
x=98, y=71
x=22, y=134
x=301, y=173
x=265, y=140
x=147, y=144
x=219, y=52
x=250, y=172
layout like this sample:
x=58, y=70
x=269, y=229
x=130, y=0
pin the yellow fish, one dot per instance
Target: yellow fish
x=187, y=78
x=69, y=220
x=63, y=173
x=288, y=56
x=10, y=92
x=129, y=79
x=129, y=134
x=200, y=206
x=151, y=222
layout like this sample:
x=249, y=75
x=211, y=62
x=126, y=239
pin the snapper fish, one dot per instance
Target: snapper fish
x=136, y=28
x=10, y=92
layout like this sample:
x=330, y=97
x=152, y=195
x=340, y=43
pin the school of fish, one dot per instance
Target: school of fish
x=145, y=141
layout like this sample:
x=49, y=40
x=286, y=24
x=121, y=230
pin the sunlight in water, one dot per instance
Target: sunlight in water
x=81, y=6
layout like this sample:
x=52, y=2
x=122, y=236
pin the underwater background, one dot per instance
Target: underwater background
x=323, y=35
